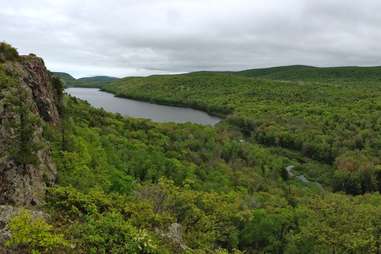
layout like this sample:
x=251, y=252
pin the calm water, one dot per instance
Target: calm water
x=128, y=107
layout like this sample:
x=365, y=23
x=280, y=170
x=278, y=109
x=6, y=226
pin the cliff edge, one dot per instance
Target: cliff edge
x=29, y=99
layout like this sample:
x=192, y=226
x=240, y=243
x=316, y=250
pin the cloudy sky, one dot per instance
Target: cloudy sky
x=142, y=37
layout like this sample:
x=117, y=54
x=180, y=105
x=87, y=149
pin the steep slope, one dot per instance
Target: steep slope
x=29, y=99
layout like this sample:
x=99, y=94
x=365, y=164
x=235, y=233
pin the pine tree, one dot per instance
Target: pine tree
x=25, y=146
x=59, y=91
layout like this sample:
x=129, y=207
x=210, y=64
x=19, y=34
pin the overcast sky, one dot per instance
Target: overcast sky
x=142, y=37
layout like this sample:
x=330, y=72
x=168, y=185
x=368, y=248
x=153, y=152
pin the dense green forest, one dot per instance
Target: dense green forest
x=126, y=185
x=337, y=123
x=270, y=178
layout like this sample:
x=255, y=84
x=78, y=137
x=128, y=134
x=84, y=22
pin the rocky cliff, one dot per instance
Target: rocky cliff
x=29, y=99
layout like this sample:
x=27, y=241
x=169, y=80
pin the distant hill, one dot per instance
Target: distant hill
x=96, y=82
x=289, y=73
x=66, y=78
x=310, y=73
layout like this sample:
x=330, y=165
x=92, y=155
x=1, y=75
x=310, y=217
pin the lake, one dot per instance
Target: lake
x=140, y=109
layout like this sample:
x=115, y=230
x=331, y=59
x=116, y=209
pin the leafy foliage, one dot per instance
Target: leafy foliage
x=110, y=233
x=34, y=234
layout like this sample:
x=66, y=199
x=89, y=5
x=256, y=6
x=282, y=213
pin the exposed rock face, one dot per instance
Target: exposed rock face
x=38, y=79
x=24, y=185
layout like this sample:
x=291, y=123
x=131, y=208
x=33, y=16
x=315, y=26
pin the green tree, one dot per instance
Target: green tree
x=336, y=224
x=110, y=233
x=268, y=230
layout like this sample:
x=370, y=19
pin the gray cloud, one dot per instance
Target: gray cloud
x=142, y=37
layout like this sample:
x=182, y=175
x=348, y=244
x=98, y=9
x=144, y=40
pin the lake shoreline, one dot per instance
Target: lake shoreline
x=144, y=108
x=170, y=103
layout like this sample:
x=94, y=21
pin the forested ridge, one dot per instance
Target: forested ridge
x=293, y=168
x=86, y=82
x=311, y=73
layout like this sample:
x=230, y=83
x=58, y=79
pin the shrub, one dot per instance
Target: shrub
x=7, y=52
x=111, y=233
x=34, y=234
